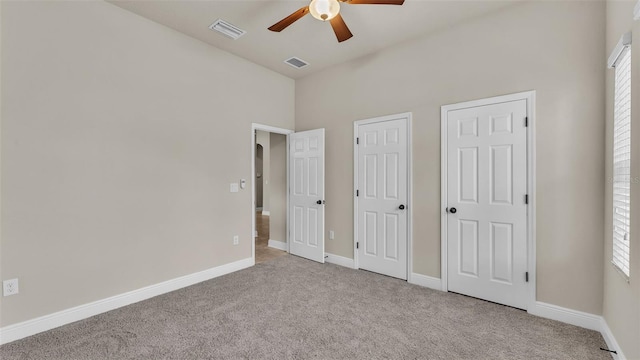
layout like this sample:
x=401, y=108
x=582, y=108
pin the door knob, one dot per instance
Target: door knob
x=453, y=210
x=320, y=202
x=401, y=207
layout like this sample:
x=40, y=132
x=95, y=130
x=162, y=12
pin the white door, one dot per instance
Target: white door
x=306, y=194
x=487, y=211
x=382, y=197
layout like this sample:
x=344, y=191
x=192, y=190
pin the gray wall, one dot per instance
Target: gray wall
x=621, y=307
x=278, y=189
x=555, y=48
x=117, y=153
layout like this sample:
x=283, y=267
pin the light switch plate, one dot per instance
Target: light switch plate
x=233, y=187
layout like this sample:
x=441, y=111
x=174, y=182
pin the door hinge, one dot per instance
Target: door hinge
x=357, y=245
x=357, y=140
x=357, y=192
x=526, y=121
x=526, y=276
x=526, y=199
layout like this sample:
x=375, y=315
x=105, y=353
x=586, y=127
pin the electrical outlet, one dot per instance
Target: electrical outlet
x=10, y=287
x=331, y=234
x=236, y=240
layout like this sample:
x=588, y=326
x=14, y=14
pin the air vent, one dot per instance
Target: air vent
x=227, y=29
x=296, y=62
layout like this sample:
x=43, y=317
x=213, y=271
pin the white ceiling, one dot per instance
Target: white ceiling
x=374, y=27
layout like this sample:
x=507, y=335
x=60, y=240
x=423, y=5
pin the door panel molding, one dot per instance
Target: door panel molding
x=498, y=125
x=388, y=138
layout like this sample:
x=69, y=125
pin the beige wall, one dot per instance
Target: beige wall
x=621, y=307
x=555, y=48
x=278, y=189
x=263, y=138
x=118, y=148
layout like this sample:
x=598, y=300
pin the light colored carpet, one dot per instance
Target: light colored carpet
x=291, y=308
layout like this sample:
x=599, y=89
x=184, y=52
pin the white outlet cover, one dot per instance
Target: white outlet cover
x=10, y=287
x=331, y=234
x=234, y=187
x=236, y=240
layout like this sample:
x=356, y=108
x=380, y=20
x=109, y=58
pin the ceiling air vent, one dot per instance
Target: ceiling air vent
x=296, y=62
x=227, y=29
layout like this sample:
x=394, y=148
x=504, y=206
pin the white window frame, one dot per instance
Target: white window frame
x=620, y=61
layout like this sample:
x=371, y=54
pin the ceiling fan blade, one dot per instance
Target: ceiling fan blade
x=340, y=28
x=282, y=24
x=374, y=2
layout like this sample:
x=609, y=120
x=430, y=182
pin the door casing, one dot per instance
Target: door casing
x=356, y=124
x=530, y=97
x=276, y=130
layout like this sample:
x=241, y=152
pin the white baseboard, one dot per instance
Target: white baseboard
x=266, y=213
x=31, y=327
x=277, y=244
x=426, y=281
x=339, y=260
x=569, y=316
x=612, y=344
x=582, y=319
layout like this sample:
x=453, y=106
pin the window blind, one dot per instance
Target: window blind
x=622, y=162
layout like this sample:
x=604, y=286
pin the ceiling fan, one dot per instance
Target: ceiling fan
x=328, y=10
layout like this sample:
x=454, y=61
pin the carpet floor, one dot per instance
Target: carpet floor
x=291, y=308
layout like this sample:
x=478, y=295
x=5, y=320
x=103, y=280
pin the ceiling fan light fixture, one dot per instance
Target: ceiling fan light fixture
x=324, y=10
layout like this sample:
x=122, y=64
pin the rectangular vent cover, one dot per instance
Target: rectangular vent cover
x=227, y=29
x=296, y=62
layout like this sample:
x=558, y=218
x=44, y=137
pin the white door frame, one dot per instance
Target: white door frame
x=530, y=97
x=356, y=124
x=276, y=130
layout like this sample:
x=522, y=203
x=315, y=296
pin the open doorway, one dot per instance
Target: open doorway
x=298, y=198
x=270, y=180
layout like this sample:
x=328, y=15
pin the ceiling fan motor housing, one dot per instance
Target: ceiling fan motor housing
x=324, y=10
x=328, y=10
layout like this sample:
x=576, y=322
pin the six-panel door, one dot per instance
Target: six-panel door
x=382, y=200
x=487, y=183
x=306, y=194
